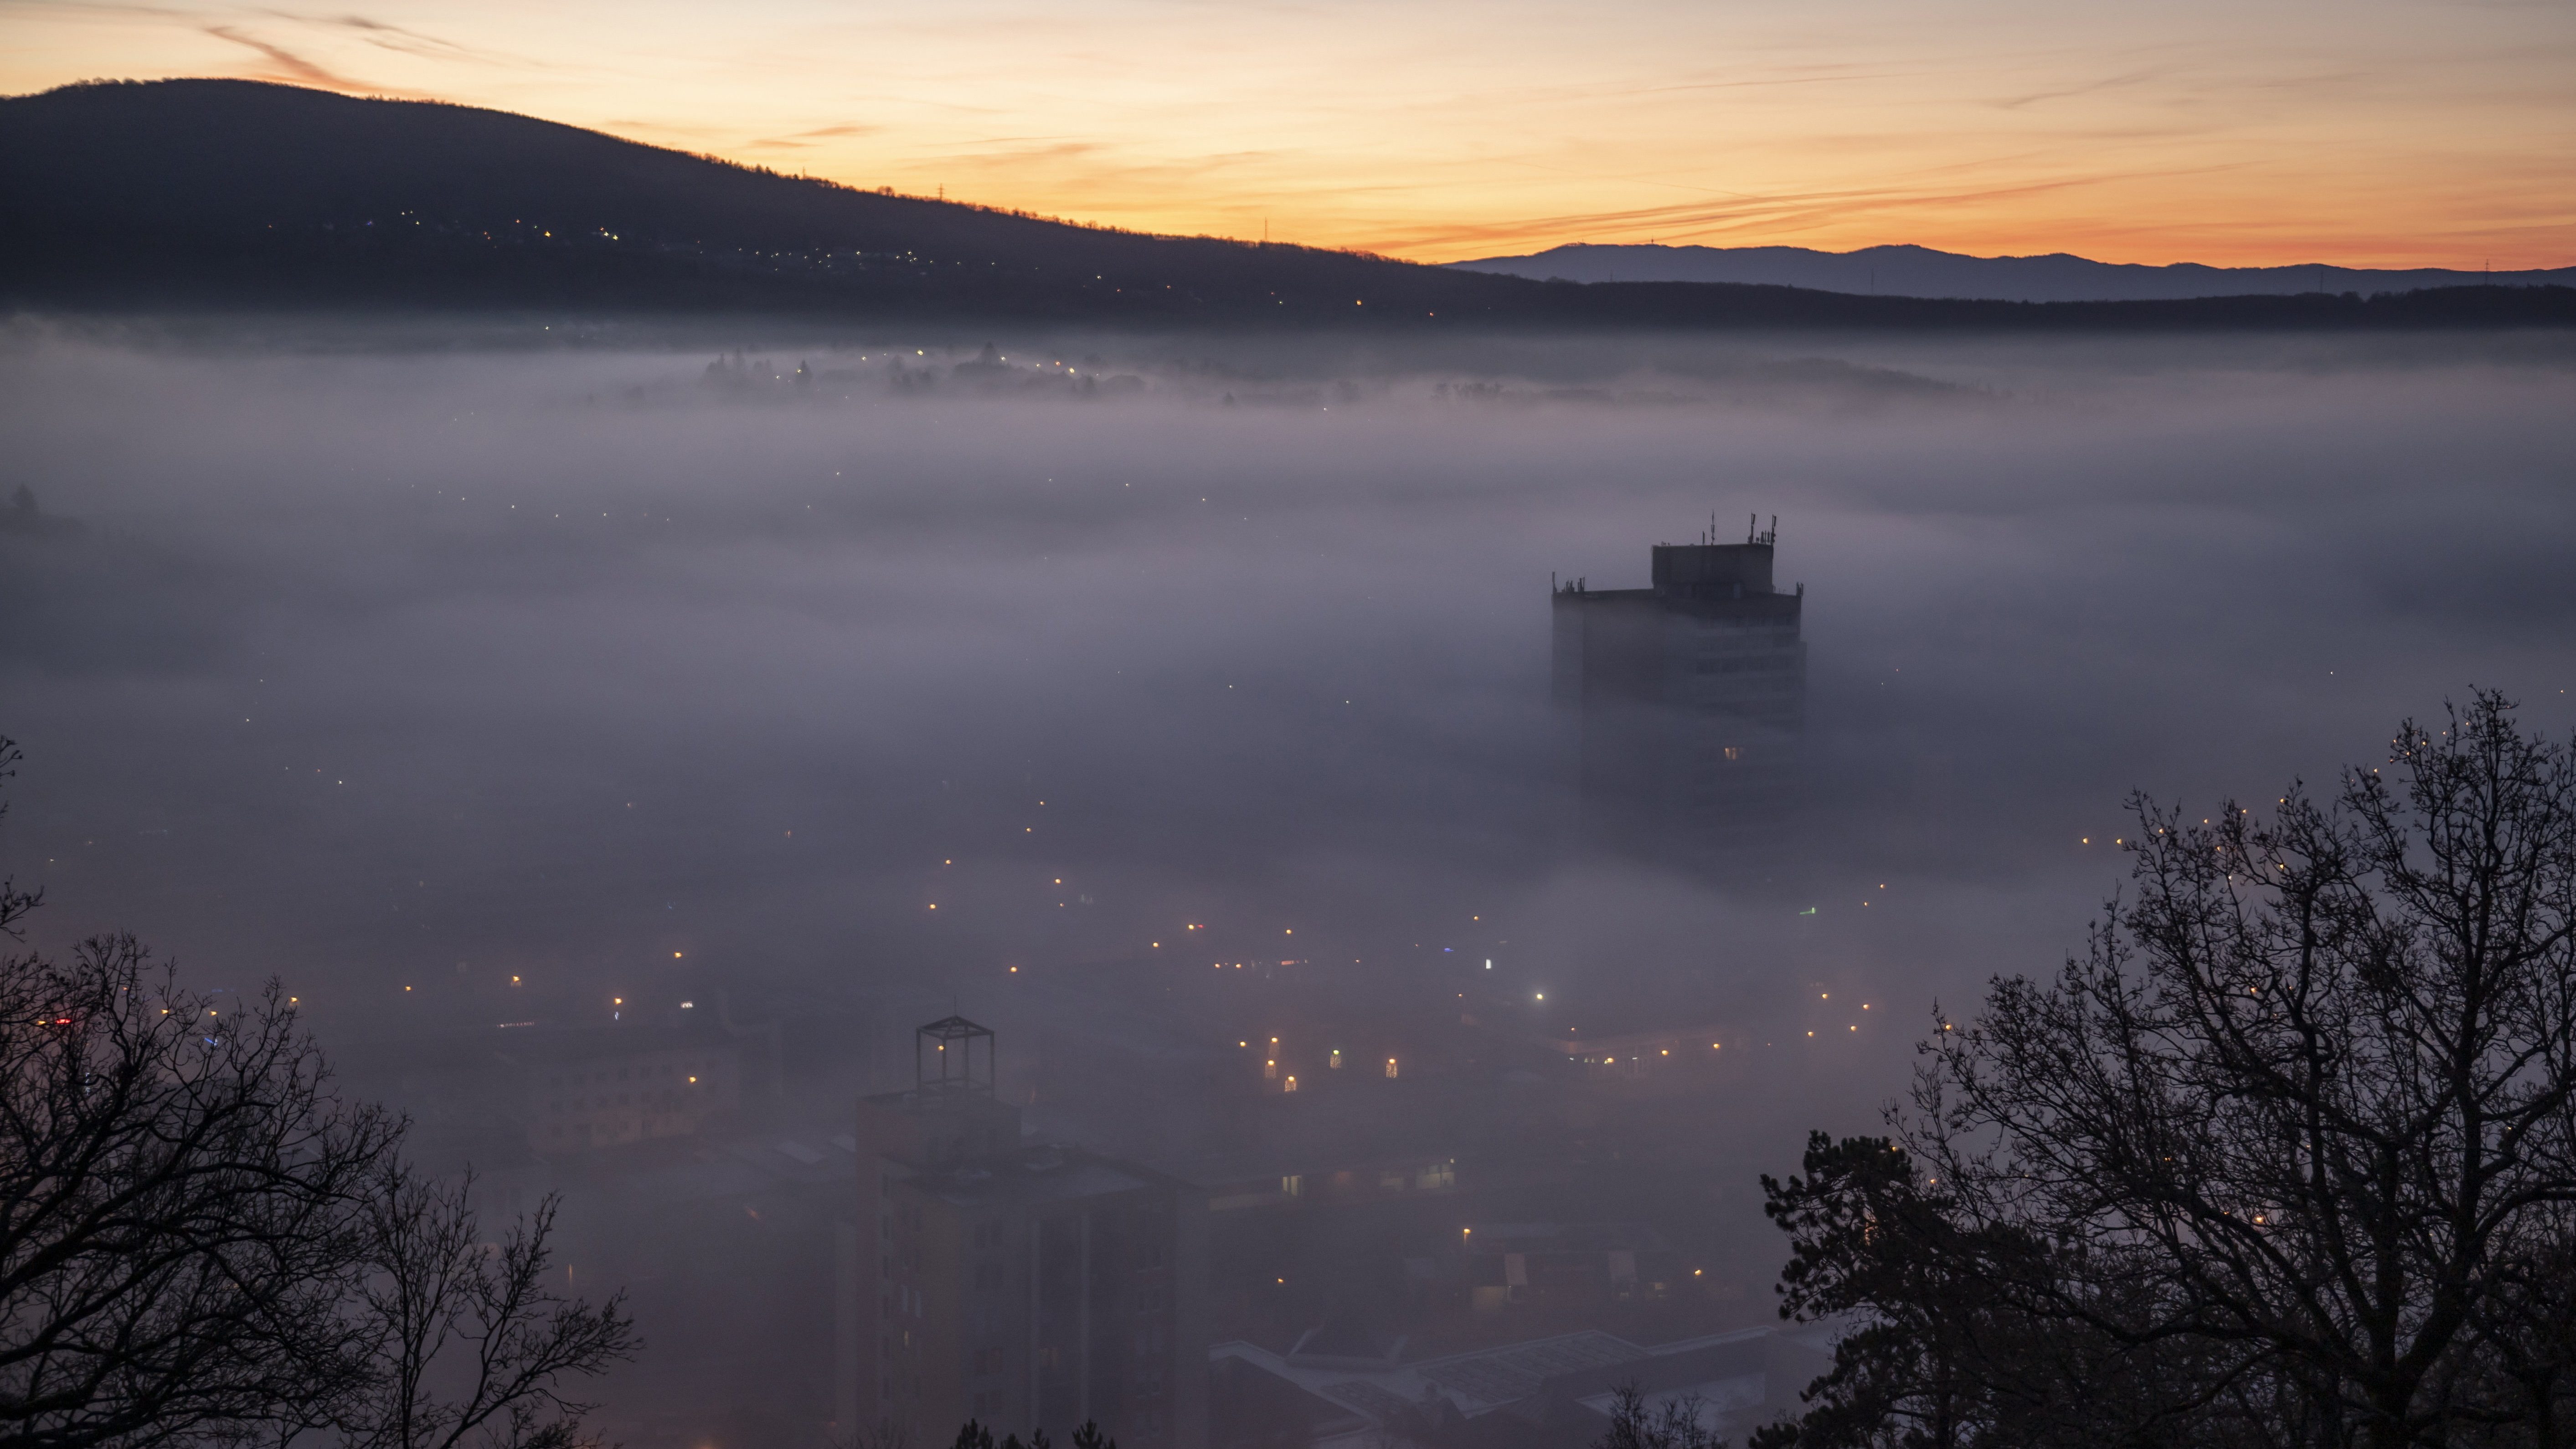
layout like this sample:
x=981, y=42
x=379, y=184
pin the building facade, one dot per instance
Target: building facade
x=1683, y=704
x=1024, y=1285
x=605, y=1087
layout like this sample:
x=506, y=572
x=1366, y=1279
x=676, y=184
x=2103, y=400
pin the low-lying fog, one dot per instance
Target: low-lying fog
x=409, y=668
x=554, y=661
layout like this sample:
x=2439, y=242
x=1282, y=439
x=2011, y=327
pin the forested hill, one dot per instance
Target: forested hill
x=240, y=194
x=238, y=190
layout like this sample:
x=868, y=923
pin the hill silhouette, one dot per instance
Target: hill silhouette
x=210, y=194
x=1910, y=271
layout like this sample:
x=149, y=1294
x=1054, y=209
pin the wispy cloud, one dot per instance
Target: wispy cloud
x=410, y=42
x=294, y=69
x=805, y=140
x=2086, y=88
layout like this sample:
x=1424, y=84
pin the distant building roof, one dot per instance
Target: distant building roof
x=1567, y=1382
x=548, y=1046
x=1029, y=1176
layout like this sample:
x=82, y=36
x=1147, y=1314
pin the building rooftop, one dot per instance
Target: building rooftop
x=1568, y=1381
x=555, y=1045
x=1031, y=1175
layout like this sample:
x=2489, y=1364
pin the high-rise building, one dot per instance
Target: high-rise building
x=1025, y=1285
x=1683, y=702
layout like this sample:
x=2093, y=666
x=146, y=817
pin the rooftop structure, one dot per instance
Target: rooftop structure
x=944, y=1057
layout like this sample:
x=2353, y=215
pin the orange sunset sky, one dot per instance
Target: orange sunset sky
x=2364, y=133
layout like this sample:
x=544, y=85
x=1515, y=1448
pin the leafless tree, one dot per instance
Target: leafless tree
x=461, y=1337
x=2310, y=1101
x=200, y=1244
x=175, y=1191
x=174, y=1181
x=1675, y=1424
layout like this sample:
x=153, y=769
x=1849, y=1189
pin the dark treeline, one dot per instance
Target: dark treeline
x=2287, y=1157
x=216, y=194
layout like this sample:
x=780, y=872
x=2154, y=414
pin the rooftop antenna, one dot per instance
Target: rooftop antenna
x=1752, y=521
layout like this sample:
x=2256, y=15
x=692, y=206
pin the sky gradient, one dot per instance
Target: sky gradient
x=2361, y=134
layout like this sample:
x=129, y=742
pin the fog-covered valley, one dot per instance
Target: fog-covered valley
x=1140, y=696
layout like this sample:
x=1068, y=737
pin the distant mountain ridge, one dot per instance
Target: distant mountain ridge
x=244, y=196
x=1912, y=271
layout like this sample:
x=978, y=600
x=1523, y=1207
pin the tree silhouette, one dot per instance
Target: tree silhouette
x=200, y=1243
x=2288, y=1155
x=460, y=1335
x=176, y=1207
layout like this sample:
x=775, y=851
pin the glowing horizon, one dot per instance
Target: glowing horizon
x=2380, y=134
